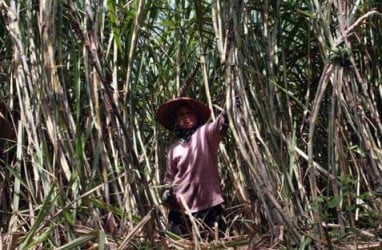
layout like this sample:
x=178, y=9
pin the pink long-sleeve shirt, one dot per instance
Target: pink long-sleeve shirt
x=192, y=167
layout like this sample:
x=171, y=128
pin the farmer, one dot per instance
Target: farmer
x=192, y=178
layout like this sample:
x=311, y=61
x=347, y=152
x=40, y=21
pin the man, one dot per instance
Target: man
x=192, y=175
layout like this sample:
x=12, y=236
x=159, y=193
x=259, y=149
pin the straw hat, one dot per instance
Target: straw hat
x=166, y=112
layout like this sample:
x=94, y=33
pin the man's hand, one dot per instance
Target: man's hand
x=168, y=197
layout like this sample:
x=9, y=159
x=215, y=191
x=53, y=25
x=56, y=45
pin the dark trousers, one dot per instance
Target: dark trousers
x=179, y=223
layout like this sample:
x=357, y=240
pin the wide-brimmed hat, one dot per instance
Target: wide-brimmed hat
x=166, y=112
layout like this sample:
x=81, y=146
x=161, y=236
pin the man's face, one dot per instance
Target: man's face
x=185, y=118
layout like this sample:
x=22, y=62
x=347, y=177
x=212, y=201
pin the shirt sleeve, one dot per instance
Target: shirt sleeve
x=170, y=168
x=217, y=129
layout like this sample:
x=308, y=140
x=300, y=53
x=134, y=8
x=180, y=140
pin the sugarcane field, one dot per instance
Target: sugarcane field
x=183, y=124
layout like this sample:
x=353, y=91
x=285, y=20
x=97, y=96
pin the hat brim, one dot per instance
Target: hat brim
x=166, y=112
